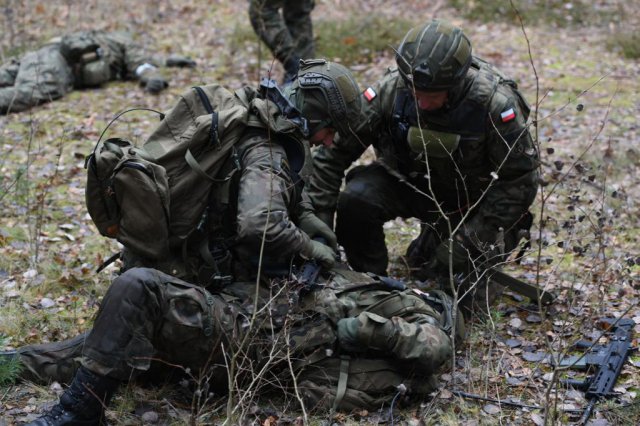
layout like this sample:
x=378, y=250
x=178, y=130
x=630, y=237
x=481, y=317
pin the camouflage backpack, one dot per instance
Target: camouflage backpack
x=152, y=198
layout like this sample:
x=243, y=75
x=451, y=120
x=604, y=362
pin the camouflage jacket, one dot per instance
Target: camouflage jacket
x=495, y=152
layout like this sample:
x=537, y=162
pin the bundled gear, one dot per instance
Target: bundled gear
x=324, y=333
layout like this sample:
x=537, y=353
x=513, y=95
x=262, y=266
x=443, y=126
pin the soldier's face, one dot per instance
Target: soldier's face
x=323, y=136
x=431, y=101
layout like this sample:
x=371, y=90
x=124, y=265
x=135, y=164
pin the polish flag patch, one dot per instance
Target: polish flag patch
x=508, y=115
x=370, y=94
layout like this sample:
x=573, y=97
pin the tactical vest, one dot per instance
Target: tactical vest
x=449, y=146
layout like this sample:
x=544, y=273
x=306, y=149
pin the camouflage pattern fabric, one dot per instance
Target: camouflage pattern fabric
x=45, y=75
x=288, y=34
x=149, y=316
x=42, y=76
x=120, y=52
x=8, y=72
x=494, y=164
x=269, y=203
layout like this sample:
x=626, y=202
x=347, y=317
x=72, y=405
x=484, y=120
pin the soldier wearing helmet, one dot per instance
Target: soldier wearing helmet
x=453, y=150
x=150, y=313
x=80, y=60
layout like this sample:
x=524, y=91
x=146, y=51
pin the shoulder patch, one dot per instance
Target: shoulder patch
x=508, y=115
x=370, y=94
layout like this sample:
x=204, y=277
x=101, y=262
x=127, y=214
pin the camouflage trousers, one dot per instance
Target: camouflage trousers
x=40, y=76
x=288, y=36
x=149, y=317
x=373, y=189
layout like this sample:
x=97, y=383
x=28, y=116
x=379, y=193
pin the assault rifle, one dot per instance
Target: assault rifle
x=608, y=359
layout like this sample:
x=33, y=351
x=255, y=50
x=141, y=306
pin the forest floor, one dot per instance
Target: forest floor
x=585, y=236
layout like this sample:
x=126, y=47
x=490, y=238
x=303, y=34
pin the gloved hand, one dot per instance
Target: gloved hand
x=326, y=216
x=323, y=254
x=153, y=82
x=460, y=255
x=314, y=227
x=180, y=61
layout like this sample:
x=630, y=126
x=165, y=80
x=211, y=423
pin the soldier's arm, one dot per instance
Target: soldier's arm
x=331, y=163
x=329, y=166
x=514, y=158
x=264, y=198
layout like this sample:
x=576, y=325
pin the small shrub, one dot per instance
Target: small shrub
x=627, y=43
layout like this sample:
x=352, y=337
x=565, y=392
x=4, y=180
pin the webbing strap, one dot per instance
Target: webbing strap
x=193, y=163
x=342, y=381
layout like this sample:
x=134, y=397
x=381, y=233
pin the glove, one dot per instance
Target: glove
x=323, y=254
x=153, y=82
x=326, y=216
x=460, y=255
x=314, y=227
x=180, y=61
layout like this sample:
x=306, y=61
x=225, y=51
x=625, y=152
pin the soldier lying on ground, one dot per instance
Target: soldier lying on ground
x=351, y=337
x=285, y=26
x=79, y=60
x=452, y=142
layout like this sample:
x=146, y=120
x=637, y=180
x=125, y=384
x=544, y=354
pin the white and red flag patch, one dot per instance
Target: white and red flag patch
x=370, y=94
x=508, y=115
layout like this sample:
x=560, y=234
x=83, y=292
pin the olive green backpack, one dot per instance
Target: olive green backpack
x=152, y=198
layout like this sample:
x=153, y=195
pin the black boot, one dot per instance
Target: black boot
x=83, y=403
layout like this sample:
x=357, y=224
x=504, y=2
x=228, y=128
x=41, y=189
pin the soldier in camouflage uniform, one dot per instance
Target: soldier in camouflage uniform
x=150, y=315
x=288, y=34
x=78, y=60
x=452, y=142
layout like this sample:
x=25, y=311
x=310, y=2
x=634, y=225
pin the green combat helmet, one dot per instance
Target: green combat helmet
x=434, y=57
x=327, y=96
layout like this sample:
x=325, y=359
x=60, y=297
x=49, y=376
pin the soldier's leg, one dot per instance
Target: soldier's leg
x=372, y=197
x=55, y=361
x=297, y=17
x=269, y=25
x=150, y=316
x=145, y=316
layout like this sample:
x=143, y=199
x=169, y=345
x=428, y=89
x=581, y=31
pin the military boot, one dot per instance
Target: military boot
x=83, y=403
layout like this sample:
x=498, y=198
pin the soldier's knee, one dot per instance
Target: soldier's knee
x=133, y=283
x=356, y=202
